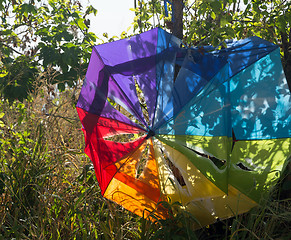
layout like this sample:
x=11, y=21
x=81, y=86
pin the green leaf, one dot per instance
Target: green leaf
x=215, y=41
x=134, y=9
x=223, y=21
x=91, y=9
x=27, y=8
x=81, y=24
x=213, y=15
x=230, y=32
x=215, y=6
x=6, y=32
x=1, y=123
x=65, y=35
x=43, y=31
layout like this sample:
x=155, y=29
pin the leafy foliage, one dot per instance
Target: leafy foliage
x=37, y=35
x=212, y=22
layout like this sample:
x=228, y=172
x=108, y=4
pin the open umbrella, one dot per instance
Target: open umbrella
x=208, y=128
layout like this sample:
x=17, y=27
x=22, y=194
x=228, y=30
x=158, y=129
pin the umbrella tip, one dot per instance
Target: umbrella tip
x=151, y=133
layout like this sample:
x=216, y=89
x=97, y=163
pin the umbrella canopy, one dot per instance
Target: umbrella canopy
x=208, y=128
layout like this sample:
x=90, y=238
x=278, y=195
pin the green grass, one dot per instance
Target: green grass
x=49, y=190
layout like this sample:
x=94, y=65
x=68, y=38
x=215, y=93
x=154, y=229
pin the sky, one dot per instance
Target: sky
x=113, y=16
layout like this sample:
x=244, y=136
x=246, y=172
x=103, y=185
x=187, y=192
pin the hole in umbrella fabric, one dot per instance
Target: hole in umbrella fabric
x=243, y=167
x=219, y=163
x=142, y=101
x=142, y=162
x=124, y=137
x=177, y=70
x=176, y=172
x=129, y=137
x=124, y=111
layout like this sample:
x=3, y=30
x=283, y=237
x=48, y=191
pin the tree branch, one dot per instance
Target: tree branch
x=14, y=50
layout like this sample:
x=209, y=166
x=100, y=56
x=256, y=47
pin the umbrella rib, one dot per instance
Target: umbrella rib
x=198, y=99
x=124, y=95
x=126, y=156
x=272, y=49
x=162, y=73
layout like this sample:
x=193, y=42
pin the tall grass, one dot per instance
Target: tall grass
x=48, y=187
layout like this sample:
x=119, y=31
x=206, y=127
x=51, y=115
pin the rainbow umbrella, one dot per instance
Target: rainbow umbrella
x=207, y=128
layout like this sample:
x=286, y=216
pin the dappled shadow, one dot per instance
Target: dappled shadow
x=225, y=118
x=246, y=101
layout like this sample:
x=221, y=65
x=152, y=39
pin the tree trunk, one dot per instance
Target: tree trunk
x=177, y=11
x=287, y=56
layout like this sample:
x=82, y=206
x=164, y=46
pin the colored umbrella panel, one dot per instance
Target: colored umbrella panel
x=209, y=129
x=199, y=195
x=137, y=190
